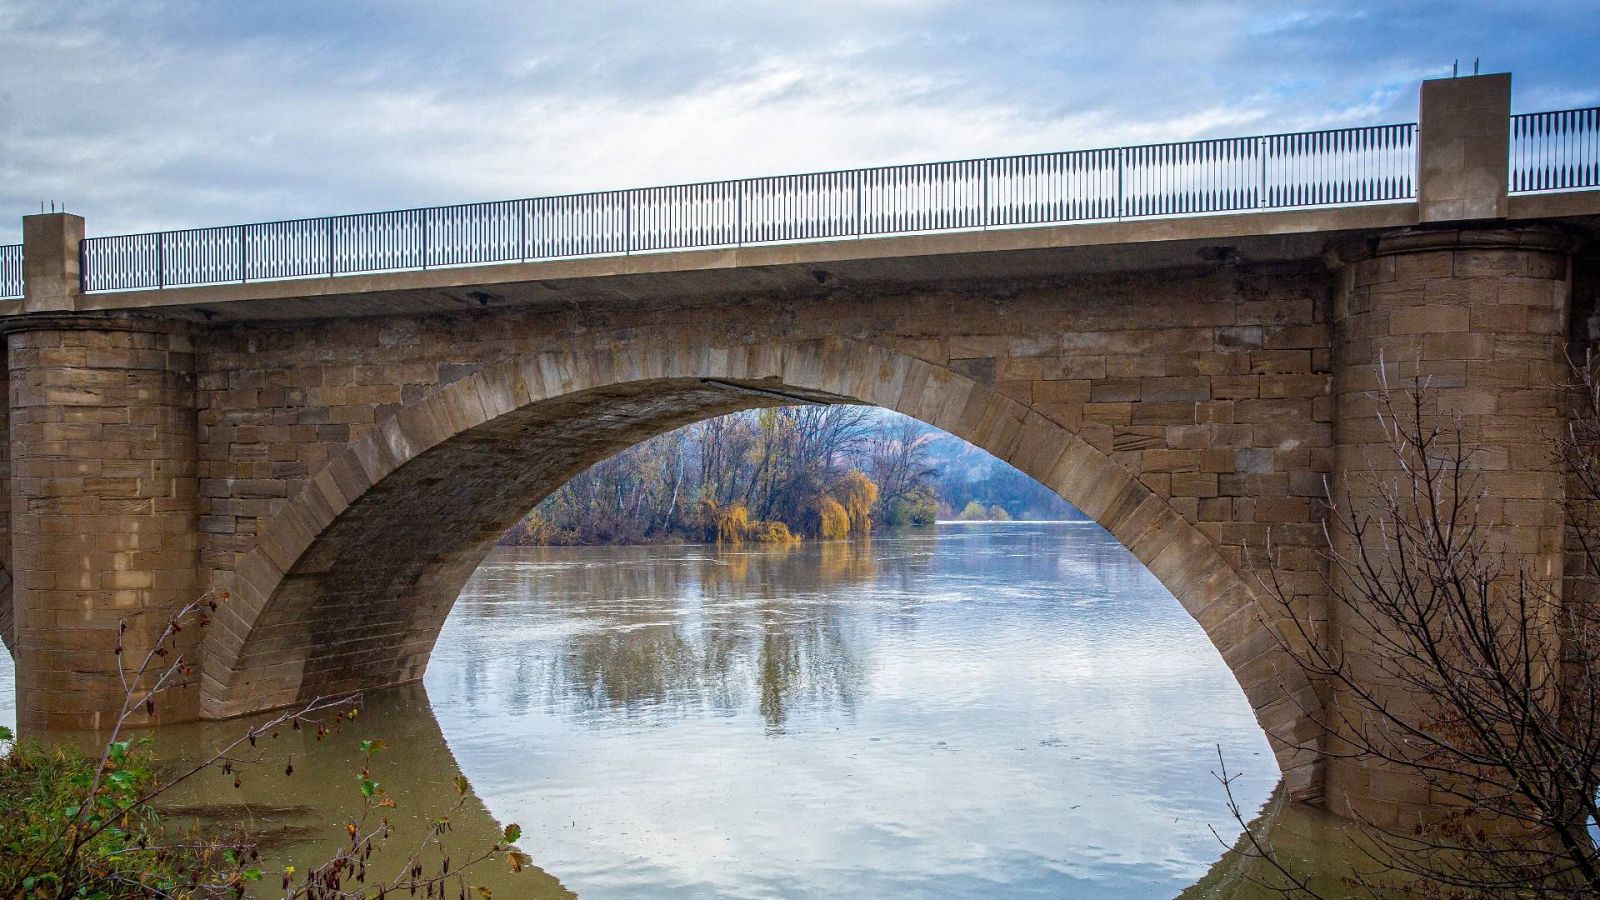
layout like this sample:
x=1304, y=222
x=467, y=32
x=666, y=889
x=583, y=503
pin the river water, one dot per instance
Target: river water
x=971, y=710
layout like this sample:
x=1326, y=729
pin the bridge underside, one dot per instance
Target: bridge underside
x=362, y=604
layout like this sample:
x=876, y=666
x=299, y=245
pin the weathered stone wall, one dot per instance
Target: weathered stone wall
x=1481, y=317
x=1205, y=390
x=1211, y=386
x=102, y=438
x=7, y=608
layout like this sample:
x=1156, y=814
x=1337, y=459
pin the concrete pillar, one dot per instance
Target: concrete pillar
x=1482, y=315
x=51, y=262
x=103, y=498
x=1463, y=148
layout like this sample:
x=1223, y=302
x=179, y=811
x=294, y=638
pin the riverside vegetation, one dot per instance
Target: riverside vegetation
x=780, y=474
x=75, y=825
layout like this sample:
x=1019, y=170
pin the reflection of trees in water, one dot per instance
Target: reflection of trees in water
x=844, y=562
x=650, y=665
x=715, y=628
x=662, y=631
x=814, y=663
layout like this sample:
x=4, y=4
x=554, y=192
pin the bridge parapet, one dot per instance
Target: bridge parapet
x=1462, y=164
x=10, y=271
x=1307, y=169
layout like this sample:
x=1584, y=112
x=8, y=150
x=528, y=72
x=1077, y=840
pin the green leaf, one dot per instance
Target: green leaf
x=513, y=831
x=6, y=735
x=368, y=787
x=371, y=747
x=251, y=874
x=461, y=785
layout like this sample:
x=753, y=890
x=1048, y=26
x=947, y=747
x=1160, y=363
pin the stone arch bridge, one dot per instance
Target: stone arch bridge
x=340, y=452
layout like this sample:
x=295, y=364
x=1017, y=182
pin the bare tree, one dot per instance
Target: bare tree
x=898, y=459
x=1457, y=666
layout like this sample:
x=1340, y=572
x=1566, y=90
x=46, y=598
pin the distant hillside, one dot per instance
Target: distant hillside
x=969, y=474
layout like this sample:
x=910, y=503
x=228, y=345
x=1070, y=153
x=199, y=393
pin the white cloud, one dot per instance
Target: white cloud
x=168, y=114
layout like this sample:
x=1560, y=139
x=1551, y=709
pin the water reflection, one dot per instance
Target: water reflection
x=986, y=710
x=1018, y=710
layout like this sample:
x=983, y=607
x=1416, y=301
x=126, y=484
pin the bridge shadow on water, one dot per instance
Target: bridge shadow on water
x=299, y=818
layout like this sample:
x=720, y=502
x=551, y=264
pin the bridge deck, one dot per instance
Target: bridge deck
x=811, y=266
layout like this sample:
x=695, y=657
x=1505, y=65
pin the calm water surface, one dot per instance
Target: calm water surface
x=1015, y=710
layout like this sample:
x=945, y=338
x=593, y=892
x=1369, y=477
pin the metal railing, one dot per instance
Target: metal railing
x=1343, y=166
x=10, y=271
x=1555, y=151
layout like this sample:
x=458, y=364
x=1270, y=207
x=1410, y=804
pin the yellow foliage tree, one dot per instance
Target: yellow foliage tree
x=772, y=532
x=835, y=519
x=858, y=495
x=733, y=524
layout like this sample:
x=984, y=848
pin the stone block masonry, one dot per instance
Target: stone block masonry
x=103, y=499
x=340, y=453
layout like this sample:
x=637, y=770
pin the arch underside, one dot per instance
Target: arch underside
x=349, y=585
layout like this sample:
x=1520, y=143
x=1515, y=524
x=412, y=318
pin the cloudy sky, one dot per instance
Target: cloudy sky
x=145, y=114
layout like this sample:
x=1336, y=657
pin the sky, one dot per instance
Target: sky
x=144, y=114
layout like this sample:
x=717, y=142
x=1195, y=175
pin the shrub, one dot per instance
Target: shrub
x=72, y=826
x=771, y=533
x=835, y=520
x=733, y=523
x=858, y=495
x=43, y=793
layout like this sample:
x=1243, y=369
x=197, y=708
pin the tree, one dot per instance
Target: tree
x=859, y=497
x=835, y=520
x=775, y=464
x=1461, y=670
x=898, y=459
x=917, y=507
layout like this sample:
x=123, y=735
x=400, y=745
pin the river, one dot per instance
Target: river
x=971, y=710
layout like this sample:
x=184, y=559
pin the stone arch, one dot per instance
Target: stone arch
x=349, y=584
